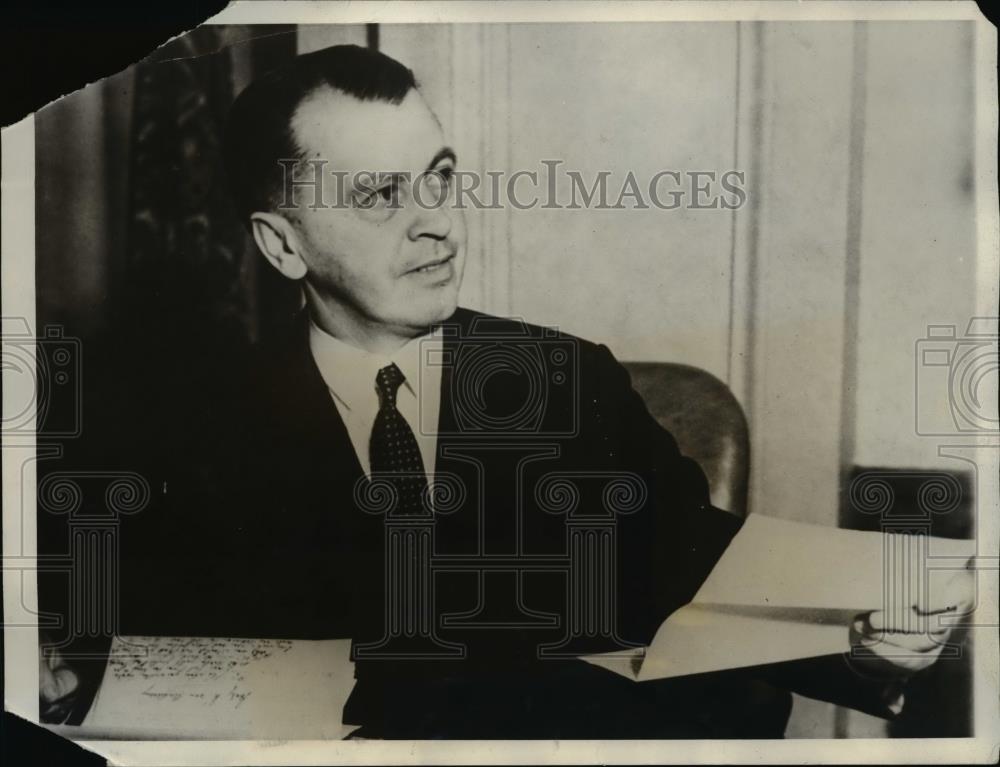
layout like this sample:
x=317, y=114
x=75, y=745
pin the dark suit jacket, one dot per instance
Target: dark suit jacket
x=256, y=529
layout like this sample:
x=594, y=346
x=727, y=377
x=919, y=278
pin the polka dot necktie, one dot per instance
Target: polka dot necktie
x=394, y=453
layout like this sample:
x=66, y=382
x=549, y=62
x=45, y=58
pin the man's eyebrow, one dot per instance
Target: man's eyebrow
x=445, y=153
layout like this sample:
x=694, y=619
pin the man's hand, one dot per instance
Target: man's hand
x=56, y=684
x=907, y=640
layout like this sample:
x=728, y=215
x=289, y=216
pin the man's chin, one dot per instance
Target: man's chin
x=427, y=316
x=442, y=314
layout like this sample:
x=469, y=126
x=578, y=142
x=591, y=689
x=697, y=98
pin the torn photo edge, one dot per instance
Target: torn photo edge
x=21, y=642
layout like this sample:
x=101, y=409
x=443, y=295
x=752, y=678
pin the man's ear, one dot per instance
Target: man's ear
x=279, y=243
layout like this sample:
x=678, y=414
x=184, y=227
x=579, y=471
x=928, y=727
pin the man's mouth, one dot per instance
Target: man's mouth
x=429, y=267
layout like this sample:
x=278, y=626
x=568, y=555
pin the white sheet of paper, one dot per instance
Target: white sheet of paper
x=696, y=640
x=625, y=662
x=788, y=590
x=203, y=687
x=777, y=563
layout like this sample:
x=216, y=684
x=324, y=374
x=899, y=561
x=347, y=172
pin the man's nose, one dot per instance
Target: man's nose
x=434, y=222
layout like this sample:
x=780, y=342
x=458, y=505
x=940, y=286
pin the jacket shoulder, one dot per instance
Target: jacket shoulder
x=470, y=323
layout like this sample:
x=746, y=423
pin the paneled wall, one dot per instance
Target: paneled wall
x=917, y=232
x=858, y=230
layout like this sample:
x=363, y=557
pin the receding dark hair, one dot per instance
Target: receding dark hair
x=259, y=133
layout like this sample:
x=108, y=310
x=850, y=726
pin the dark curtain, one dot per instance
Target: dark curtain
x=187, y=270
x=142, y=263
x=138, y=242
x=193, y=281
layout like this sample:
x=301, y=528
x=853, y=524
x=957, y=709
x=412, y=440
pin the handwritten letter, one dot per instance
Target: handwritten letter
x=224, y=688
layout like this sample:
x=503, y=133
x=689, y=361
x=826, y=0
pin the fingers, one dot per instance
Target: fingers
x=886, y=643
x=56, y=680
x=956, y=595
x=887, y=648
x=66, y=682
x=48, y=689
x=893, y=627
x=960, y=591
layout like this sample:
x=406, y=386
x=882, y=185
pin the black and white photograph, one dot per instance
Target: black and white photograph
x=508, y=383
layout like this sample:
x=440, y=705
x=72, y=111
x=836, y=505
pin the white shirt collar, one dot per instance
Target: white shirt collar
x=349, y=372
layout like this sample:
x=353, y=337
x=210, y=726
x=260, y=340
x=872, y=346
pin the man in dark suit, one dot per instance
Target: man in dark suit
x=474, y=501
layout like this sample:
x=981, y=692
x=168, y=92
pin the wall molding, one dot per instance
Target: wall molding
x=480, y=126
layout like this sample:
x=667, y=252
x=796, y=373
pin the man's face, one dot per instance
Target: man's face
x=379, y=258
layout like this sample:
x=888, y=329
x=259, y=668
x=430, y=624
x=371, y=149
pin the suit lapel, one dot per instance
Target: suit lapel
x=312, y=413
x=464, y=458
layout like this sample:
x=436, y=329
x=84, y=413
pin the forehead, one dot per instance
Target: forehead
x=355, y=135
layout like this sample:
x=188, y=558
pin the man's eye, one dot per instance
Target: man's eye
x=384, y=196
x=439, y=180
